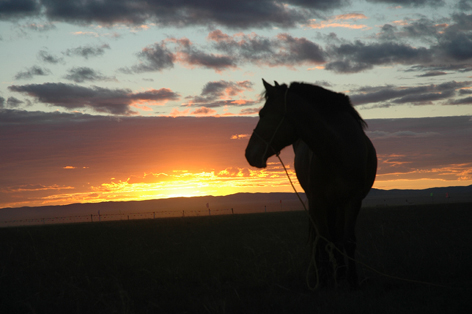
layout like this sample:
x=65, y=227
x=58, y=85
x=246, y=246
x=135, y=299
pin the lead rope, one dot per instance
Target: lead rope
x=315, y=242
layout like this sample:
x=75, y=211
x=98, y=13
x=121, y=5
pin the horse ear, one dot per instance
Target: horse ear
x=276, y=84
x=267, y=85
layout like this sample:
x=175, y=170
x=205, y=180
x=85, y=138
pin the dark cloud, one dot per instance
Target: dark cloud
x=163, y=55
x=112, y=101
x=233, y=14
x=358, y=56
x=10, y=9
x=155, y=57
x=283, y=50
x=411, y=3
x=462, y=68
x=387, y=32
x=464, y=5
x=461, y=101
x=48, y=58
x=13, y=102
x=82, y=74
x=432, y=73
x=204, y=111
x=447, y=47
x=228, y=52
x=249, y=111
x=87, y=51
x=218, y=89
x=401, y=95
x=424, y=29
x=456, y=47
x=33, y=71
x=323, y=83
x=221, y=93
x=193, y=56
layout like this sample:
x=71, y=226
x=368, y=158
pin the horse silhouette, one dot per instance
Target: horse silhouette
x=335, y=163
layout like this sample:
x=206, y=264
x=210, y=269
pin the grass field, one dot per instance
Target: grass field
x=236, y=264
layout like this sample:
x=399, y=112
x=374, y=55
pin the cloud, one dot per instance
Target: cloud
x=39, y=27
x=240, y=136
x=155, y=57
x=11, y=9
x=241, y=14
x=33, y=71
x=340, y=21
x=399, y=134
x=445, y=44
x=283, y=50
x=464, y=5
x=411, y=3
x=11, y=102
x=461, y=101
x=191, y=56
x=359, y=56
x=48, y=58
x=221, y=93
x=401, y=95
x=432, y=73
x=204, y=111
x=87, y=51
x=249, y=111
x=82, y=74
x=229, y=52
x=102, y=100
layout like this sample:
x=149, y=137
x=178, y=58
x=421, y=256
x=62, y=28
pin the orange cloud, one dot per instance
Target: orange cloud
x=204, y=111
x=240, y=136
x=337, y=21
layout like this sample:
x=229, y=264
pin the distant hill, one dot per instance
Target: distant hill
x=454, y=194
x=239, y=203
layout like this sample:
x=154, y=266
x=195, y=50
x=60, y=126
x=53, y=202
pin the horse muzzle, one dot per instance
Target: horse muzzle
x=255, y=159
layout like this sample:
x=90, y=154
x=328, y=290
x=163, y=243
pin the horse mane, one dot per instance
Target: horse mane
x=326, y=102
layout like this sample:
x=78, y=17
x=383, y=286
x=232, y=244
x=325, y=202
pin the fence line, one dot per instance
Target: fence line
x=117, y=216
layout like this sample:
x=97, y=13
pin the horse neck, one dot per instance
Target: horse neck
x=313, y=128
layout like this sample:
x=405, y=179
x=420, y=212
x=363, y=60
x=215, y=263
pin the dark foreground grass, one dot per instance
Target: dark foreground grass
x=236, y=264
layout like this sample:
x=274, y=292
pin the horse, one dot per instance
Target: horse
x=335, y=163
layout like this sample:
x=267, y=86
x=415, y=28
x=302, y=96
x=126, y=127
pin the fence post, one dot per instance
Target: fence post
x=91, y=218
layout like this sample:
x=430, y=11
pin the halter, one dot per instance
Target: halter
x=269, y=143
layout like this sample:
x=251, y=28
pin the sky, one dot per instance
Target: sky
x=131, y=100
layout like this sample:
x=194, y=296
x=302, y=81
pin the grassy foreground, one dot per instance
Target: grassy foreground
x=236, y=264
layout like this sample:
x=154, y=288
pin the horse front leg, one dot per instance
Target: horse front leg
x=321, y=250
x=351, y=214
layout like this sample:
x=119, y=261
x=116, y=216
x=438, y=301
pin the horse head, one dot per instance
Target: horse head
x=273, y=131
